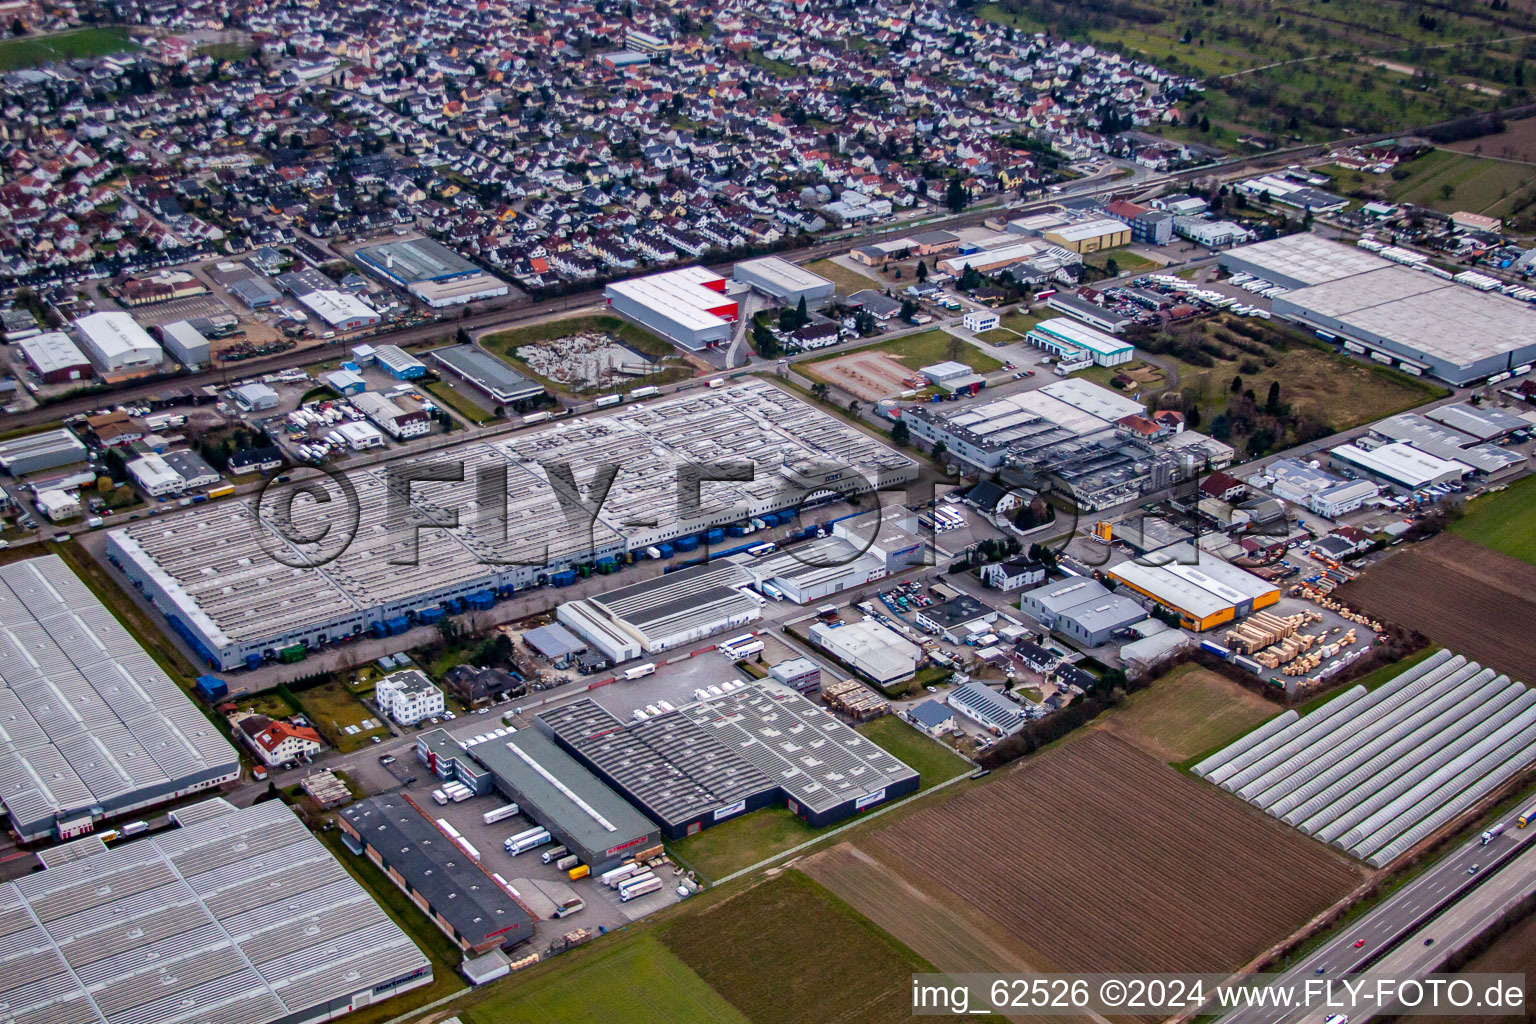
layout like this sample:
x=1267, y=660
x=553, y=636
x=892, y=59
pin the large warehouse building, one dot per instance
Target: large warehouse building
x=1399, y=316
x=432, y=272
x=784, y=282
x=664, y=612
x=1073, y=341
x=688, y=307
x=493, y=378
x=215, y=582
x=237, y=916
x=754, y=745
x=54, y=358
x=116, y=343
x=1376, y=772
x=33, y=453
x=93, y=728
x=553, y=790
x=1201, y=588
x=439, y=875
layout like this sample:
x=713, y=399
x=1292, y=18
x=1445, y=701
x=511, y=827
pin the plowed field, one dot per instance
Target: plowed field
x=1095, y=856
x=1472, y=599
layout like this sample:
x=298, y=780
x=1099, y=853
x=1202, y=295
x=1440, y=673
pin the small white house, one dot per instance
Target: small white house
x=58, y=505
x=1007, y=576
x=408, y=696
x=979, y=320
x=932, y=718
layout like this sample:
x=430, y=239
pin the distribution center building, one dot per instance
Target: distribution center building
x=54, y=358
x=116, y=342
x=1201, y=588
x=233, y=602
x=439, y=875
x=688, y=307
x=490, y=376
x=1399, y=316
x=1073, y=341
x=752, y=745
x=238, y=916
x=33, y=453
x=663, y=612
x=93, y=728
x=432, y=272
x=784, y=282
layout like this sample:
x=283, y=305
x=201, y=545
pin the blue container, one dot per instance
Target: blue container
x=809, y=531
x=715, y=536
x=738, y=529
x=688, y=543
x=665, y=549
x=769, y=519
x=563, y=578
x=253, y=661
x=481, y=600
x=397, y=625
x=427, y=616
x=213, y=688
x=379, y=629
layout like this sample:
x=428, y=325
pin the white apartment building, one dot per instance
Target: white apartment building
x=408, y=696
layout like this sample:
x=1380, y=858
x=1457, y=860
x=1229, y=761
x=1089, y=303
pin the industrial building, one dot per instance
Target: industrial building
x=440, y=876
x=993, y=711
x=663, y=612
x=430, y=271
x=1376, y=772
x=752, y=745
x=1393, y=313
x=1488, y=463
x=199, y=569
x=33, y=453
x=257, y=397
x=1075, y=342
x=184, y=341
x=1090, y=235
x=1201, y=588
x=1398, y=465
x=54, y=358
x=398, y=363
x=879, y=654
x=154, y=476
x=784, y=282
x=116, y=342
x=688, y=307
x=1090, y=313
x=860, y=549
x=1081, y=609
x=389, y=417
x=485, y=373
x=238, y=915
x=550, y=786
x=341, y=311
x=94, y=728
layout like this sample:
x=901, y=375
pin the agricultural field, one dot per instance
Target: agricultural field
x=637, y=980
x=1285, y=73
x=1494, y=596
x=1187, y=711
x=1505, y=522
x=847, y=280
x=1450, y=179
x=1062, y=839
x=1516, y=142
x=587, y=348
x=788, y=951
x=30, y=51
x=335, y=710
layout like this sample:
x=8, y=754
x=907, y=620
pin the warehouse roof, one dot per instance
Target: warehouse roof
x=1308, y=258
x=1188, y=577
x=1480, y=422
x=240, y=917
x=1097, y=401
x=818, y=760
x=1082, y=336
x=554, y=641
x=667, y=764
x=989, y=706
x=782, y=274
x=1089, y=229
x=678, y=601
x=486, y=372
x=31, y=446
x=52, y=352
x=1444, y=443
x=564, y=792
x=90, y=720
x=335, y=306
x=685, y=295
x=116, y=335
x=416, y=259
x=1402, y=463
x=433, y=864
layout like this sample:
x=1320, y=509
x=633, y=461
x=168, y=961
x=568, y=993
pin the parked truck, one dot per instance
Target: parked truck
x=569, y=906
x=643, y=889
x=554, y=853
x=640, y=671
x=614, y=877
x=532, y=842
x=640, y=878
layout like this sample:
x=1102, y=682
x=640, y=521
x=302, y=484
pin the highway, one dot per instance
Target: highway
x=1357, y=947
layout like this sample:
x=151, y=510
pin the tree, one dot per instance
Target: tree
x=940, y=449
x=970, y=279
x=788, y=321
x=955, y=196
x=922, y=271
x=1112, y=267
x=17, y=28
x=1221, y=427
x=908, y=310
x=901, y=436
x=461, y=336
x=1272, y=402
x=954, y=348
x=1237, y=385
x=1192, y=418
x=855, y=407
x=819, y=391
x=1205, y=123
x=802, y=315
x=767, y=345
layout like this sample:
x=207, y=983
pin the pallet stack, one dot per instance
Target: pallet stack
x=1263, y=629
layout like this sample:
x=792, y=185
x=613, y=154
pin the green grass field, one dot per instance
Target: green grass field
x=787, y=951
x=1020, y=321
x=635, y=979
x=1505, y=521
x=459, y=401
x=332, y=707
x=934, y=762
x=925, y=349
x=741, y=842
x=30, y=51
x=1126, y=262
x=847, y=281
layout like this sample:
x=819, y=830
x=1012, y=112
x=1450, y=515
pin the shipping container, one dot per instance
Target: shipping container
x=499, y=814
x=438, y=796
x=579, y=871
x=290, y=655
x=687, y=543
x=523, y=834
x=537, y=417
x=653, y=885
x=639, y=671
x=637, y=879
x=133, y=828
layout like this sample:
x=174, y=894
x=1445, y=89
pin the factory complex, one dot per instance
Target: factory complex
x=236, y=916
x=1400, y=315
x=1204, y=590
x=93, y=728
x=206, y=568
x=430, y=271
x=752, y=745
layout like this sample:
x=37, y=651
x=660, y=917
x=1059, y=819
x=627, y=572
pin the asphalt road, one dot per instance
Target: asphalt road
x=1385, y=927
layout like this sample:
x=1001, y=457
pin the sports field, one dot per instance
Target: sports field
x=1505, y=522
x=636, y=980
x=30, y=51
